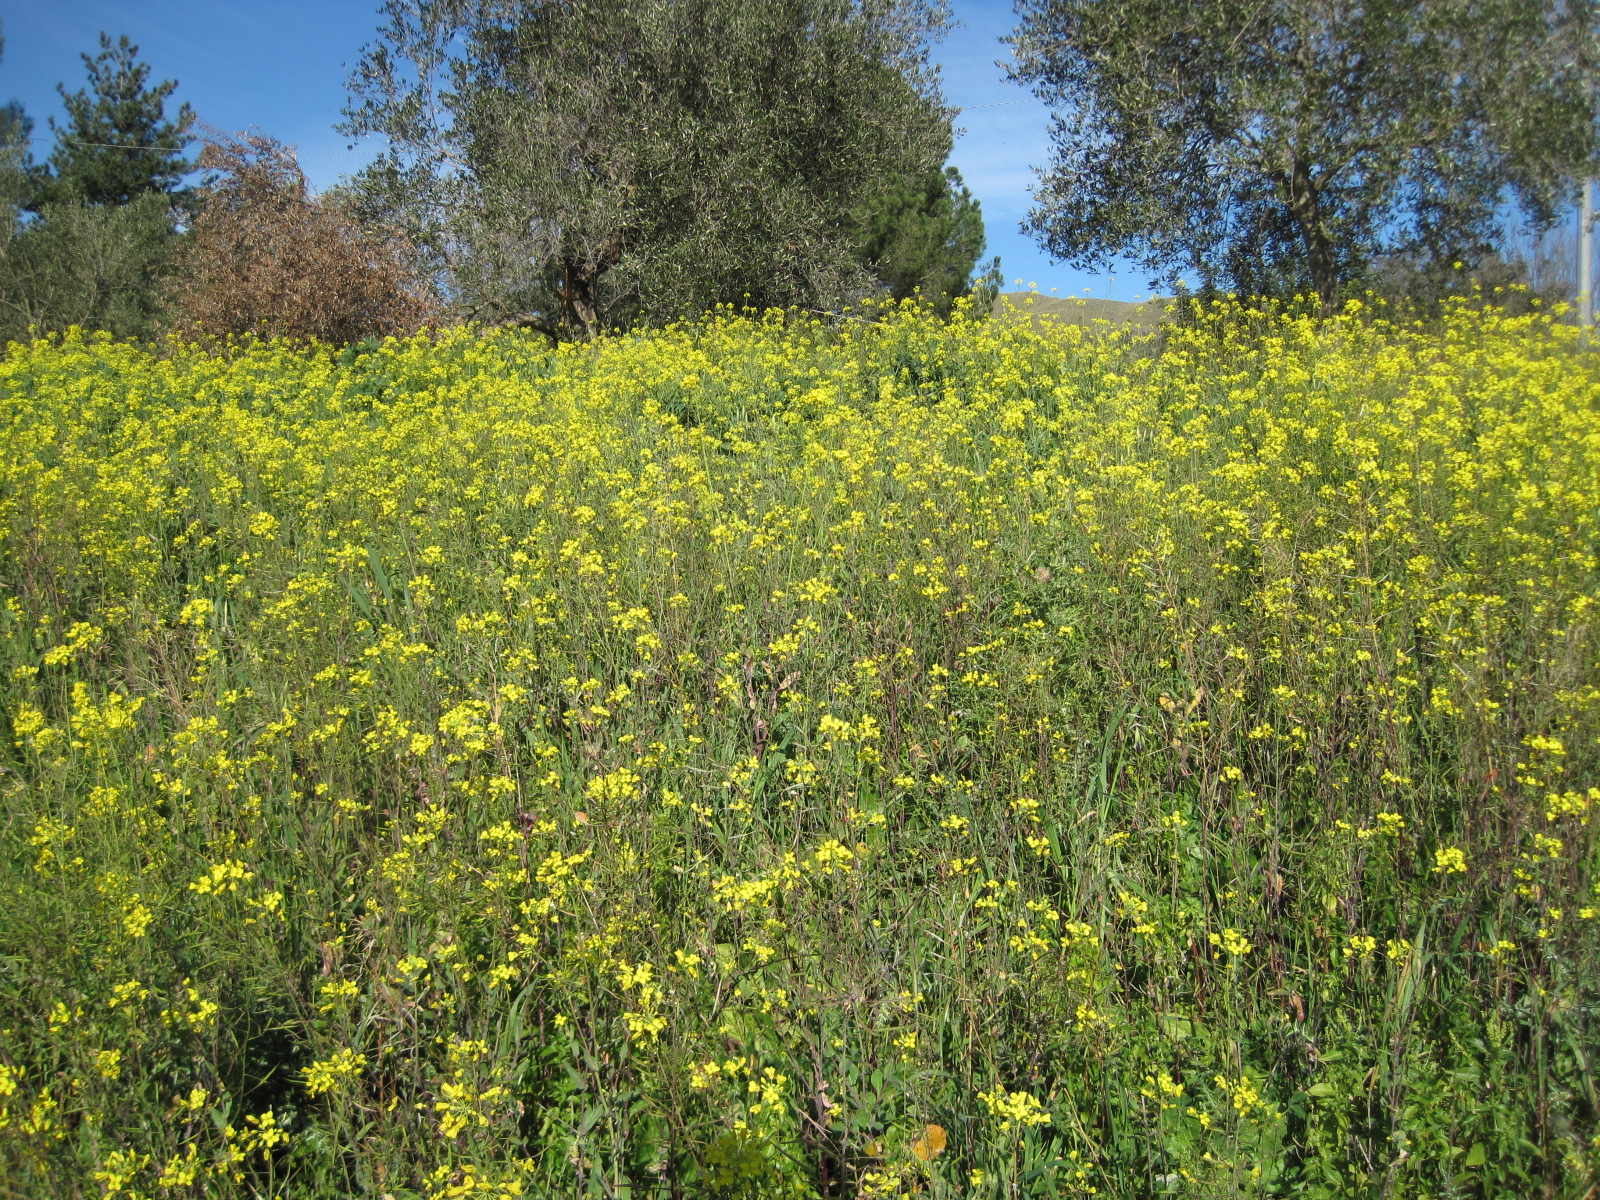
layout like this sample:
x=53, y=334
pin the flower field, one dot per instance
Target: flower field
x=775, y=758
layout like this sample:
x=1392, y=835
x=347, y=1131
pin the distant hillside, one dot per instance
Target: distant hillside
x=1081, y=311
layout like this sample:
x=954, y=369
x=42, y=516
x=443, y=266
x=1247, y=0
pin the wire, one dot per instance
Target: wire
x=999, y=104
x=117, y=146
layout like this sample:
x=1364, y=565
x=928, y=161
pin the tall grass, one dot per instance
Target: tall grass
x=766, y=758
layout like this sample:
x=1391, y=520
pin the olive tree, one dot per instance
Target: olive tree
x=575, y=165
x=1279, y=145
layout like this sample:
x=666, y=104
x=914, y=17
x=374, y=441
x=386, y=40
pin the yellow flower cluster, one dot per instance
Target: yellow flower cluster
x=676, y=763
x=1016, y=1110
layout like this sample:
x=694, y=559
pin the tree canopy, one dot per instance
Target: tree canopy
x=102, y=226
x=117, y=142
x=923, y=236
x=16, y=156
x=266, y=258
x=574, y=165
x=1271, y=146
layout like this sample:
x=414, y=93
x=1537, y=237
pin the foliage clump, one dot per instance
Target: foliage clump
x=87, y=238
x=776, y=758
x=267, y=259
x=1295, y=145
x=585, y=166
x=921, y=238
x=117, y=143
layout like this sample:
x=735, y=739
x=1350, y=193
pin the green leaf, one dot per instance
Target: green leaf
x=1175, y=1027
x=1477, y=1156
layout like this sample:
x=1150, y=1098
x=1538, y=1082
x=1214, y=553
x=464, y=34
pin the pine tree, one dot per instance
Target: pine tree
x=922, y=236
x=100, y=242
x=117, y=142
x=16, y=158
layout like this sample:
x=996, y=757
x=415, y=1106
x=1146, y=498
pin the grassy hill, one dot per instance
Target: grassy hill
x=1081, y=311
x=774, y=758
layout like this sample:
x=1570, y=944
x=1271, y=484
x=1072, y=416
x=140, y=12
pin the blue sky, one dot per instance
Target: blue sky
x=281, y=66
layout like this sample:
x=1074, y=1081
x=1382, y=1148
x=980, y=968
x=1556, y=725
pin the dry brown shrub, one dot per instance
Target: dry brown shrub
x=266, y=258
